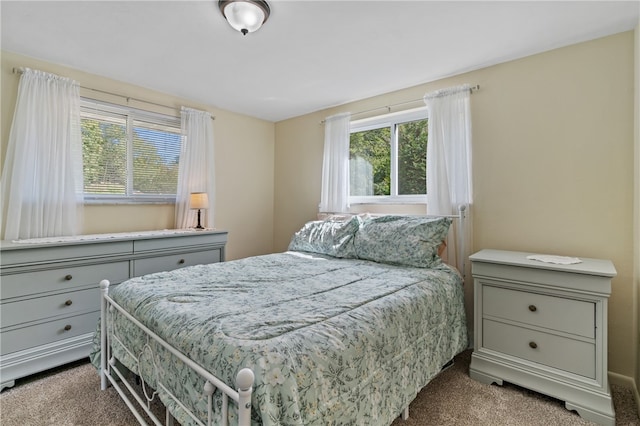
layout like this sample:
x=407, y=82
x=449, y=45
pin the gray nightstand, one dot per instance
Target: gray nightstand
x=543, y=326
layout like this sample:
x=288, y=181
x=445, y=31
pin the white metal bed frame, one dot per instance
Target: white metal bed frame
x=241, y=395
x=108, y=366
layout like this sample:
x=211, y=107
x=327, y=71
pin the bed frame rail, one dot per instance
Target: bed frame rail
x=108, y=367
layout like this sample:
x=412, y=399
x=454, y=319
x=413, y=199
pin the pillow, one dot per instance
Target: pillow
x=402, y=240
x=330, y=237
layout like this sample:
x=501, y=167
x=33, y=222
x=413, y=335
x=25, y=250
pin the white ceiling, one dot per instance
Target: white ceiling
x=309, y=55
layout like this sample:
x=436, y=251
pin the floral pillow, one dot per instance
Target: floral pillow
x=330, y=237
x=402, y=240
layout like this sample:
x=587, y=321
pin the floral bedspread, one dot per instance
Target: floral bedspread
x=331, y=341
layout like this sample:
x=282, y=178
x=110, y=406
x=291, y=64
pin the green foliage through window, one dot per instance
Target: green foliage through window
x=389, y=157
x=412, y=158
x=371, y=150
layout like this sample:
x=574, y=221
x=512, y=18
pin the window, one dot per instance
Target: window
x=129, y=155
x=388, y=158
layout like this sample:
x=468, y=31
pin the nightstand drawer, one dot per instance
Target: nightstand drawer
x=174, y=261
x=44, y=307
x=41, y=334
x=555, y=313
x=566, y=354
x=61, y=279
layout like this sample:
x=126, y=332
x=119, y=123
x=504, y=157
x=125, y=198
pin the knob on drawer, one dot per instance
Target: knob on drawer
x=68, y=277
x=67, y=327
x=68, y=303
x=181, y=261
x=533, y=345
x=533, y=308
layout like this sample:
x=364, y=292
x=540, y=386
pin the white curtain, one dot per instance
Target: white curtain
x=196, y=173
x=334, y=197
x=42, y=182
x=449, y=163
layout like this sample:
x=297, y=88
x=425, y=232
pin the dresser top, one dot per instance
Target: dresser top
x=587, y=266
x=103, y=238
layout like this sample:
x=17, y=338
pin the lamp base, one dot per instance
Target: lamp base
x=199, y=226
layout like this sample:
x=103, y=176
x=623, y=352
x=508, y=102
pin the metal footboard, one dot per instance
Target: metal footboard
x=109, y=373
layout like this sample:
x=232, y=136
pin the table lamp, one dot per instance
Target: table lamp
x=199, y=200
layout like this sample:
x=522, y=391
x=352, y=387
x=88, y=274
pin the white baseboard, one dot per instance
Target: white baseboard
x=627, y=382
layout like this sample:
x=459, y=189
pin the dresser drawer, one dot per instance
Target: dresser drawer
x=27, y=253
x=174, y=261
x=61, y=279
x=175, y=242
x=555, y=313
x=566, y=354
x=13, y=313
x=41, y=334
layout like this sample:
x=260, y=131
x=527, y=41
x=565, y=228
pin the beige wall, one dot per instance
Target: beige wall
x=552, y=163
x=244, y=148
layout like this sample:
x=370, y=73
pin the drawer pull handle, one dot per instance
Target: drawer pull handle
x=68, y=277
x=68, y=303
x=181, y=261
x=533, y=345
x=67, y=327
x=533, y=308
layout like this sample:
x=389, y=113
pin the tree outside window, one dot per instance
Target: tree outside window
x=388, y=158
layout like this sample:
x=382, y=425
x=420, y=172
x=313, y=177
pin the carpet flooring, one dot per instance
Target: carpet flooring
x=71, y=396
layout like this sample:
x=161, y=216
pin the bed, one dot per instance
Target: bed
x=344, y=328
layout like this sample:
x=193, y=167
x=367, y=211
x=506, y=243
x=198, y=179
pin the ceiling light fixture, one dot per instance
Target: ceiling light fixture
x=245, y=16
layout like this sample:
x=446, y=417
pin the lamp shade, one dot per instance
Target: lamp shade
x=245, y=16
x=199, y=200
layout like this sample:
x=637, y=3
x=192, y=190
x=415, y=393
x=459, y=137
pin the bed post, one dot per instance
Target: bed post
x=104, y=291
x=244, y=383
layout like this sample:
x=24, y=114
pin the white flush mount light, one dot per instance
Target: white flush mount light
x=245, y=16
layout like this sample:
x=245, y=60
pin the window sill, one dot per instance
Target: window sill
x=407, y=199
x=100, y=201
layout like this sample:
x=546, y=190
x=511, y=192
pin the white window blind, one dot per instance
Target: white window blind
x=129, y=155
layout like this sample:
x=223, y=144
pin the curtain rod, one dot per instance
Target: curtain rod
x=388, y=107
x=20, y=70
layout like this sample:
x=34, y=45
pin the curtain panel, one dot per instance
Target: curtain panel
x=42, y=181
x=334, y=197
x=196, y=170
x=449, y=162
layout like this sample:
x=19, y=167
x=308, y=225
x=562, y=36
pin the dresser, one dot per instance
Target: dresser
x=543, y=326
x=50, y=296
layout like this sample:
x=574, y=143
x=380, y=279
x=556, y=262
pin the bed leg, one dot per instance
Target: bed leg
x=168, y=418
x=405, y=413
x=104, y=290
x=244, y=383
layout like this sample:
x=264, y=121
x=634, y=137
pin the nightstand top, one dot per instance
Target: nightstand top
x=588, y=266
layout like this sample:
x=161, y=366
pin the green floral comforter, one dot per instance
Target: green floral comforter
x=331, y=341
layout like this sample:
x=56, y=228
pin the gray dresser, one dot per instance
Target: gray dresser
x=543, y=326
x=50, y=297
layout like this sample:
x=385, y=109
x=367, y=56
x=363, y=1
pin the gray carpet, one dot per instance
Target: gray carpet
x=71, y=395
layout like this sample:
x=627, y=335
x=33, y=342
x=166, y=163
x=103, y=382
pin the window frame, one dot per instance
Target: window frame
x=390, y=120
x=131, y=115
